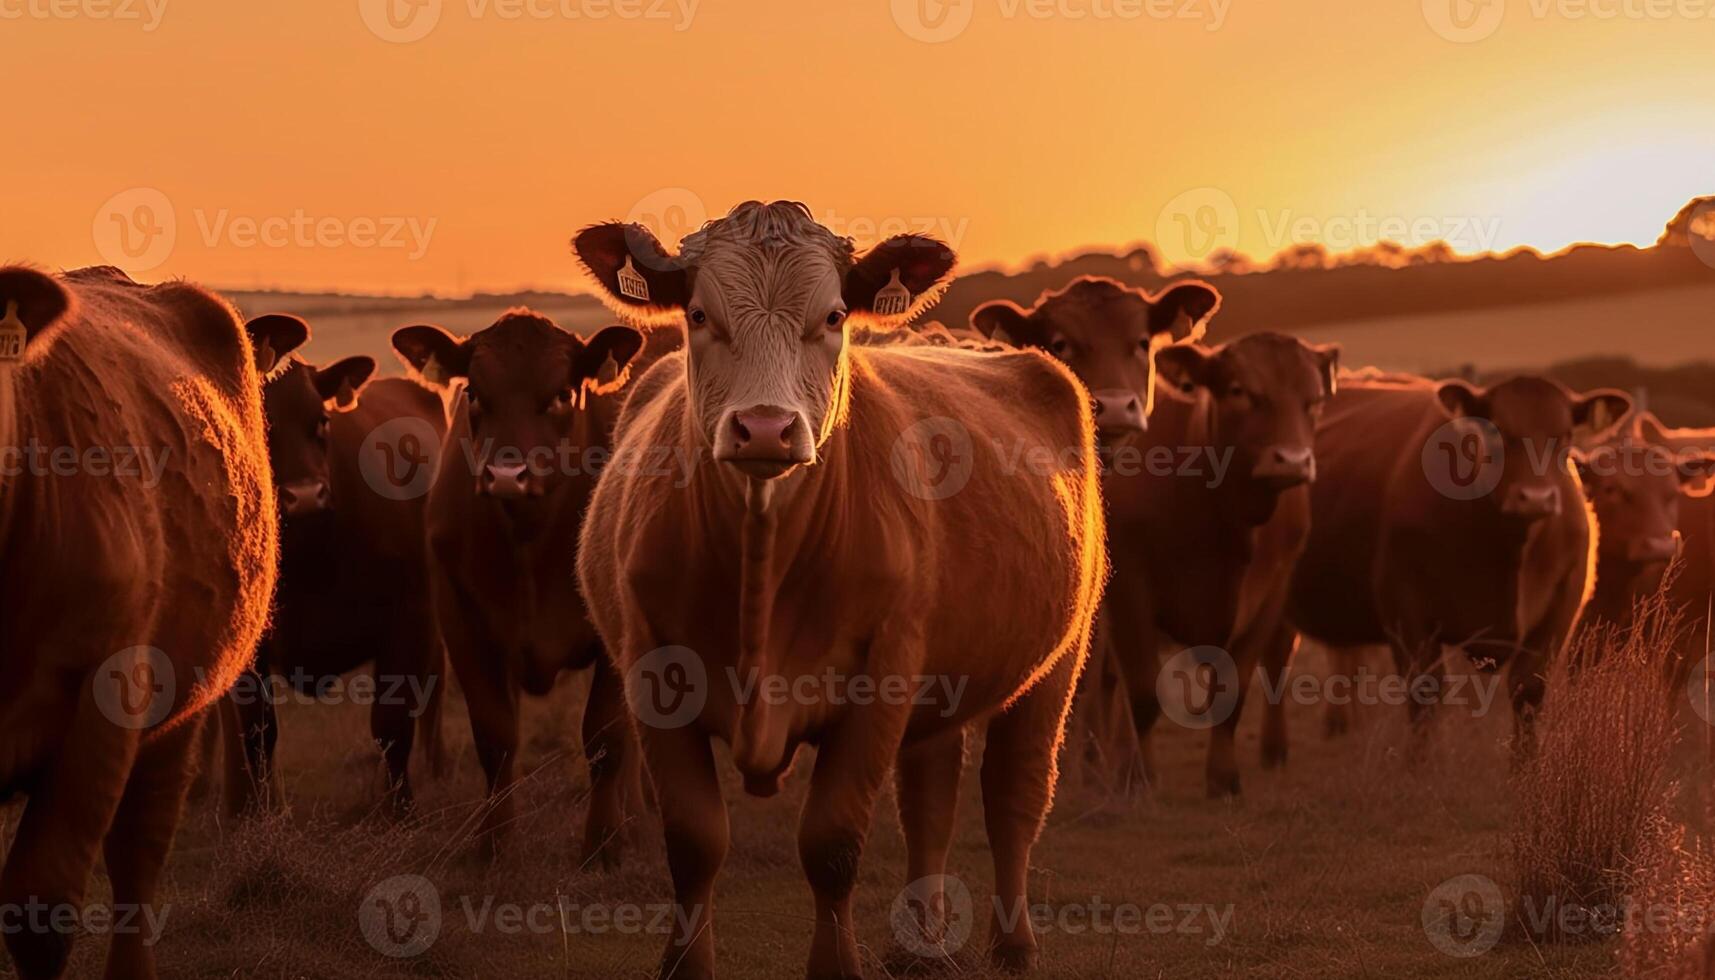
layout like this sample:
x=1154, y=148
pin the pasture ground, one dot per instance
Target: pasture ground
x=1325, y=866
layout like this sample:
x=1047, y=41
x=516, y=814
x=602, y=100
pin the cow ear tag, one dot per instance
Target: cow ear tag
x=893, y=298
x=12, y=334
x=631, y=283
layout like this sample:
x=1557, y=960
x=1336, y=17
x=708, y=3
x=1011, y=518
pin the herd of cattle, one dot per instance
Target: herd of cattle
x=800, y=539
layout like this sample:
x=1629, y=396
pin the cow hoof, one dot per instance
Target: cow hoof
x=606, y=860
x=1015, y=959
x=1273, y=756
x=39, y=954
x=1223, y=786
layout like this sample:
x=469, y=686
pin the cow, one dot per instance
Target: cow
x=1450, y=516
x=1636, y=483
x=529, y=434
x=351, y=463
x=845, y=499
x=139, y=555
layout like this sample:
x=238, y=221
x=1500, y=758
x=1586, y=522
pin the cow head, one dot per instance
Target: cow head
x=765, y=295
x=1266, y=392
x=1537, y=421
x=1106, y=333
x=524, y=383
x=1635, y=484
x=297, y=399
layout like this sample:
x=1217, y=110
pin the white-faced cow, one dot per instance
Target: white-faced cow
x=137, y=562
x=529, y=435
x=845, y=499
x=351, y=463
x=1447, y=516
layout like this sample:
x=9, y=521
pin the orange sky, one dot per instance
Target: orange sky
x=246, y=143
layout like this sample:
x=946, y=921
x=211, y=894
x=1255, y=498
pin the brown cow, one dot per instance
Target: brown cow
x=139, y=556
x=852, y=494
x=1635, y=483
x=529, y=433
x=352, y=464
x=1450, y=516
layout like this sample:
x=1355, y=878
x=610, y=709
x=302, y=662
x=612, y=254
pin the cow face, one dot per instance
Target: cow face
x=296, y=399
x=524, y=380
x=1634, y=486
x=1106, y=333
x=1267, y=391
x=765, y=295
x=1538, y=421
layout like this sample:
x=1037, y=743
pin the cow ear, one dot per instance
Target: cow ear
x=640, y=280
x=436, y=355
x=589, y=366
x=273, y=336
x=1186, y=367
x=1328, y=358
x=1696, y=474
x=898, y=278
x=31, y=303
x=1006, y=322
x=1601, y=411
x=1459, y=400
x=339, y=382
x=1184, y=309
x=1649, y=430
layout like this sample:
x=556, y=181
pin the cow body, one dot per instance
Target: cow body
x=1393, y=559
x=353, y=584
x=180, y=563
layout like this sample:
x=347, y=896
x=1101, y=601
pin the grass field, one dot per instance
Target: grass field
x=1324, y=868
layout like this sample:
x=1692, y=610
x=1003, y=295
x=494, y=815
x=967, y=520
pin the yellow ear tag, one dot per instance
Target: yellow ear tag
x=12, y=334
x=631, y=282
x=893, y=298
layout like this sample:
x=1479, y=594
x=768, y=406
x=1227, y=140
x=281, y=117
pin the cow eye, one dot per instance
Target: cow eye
x=1236, y=390
x=473, y=403
x=560, y=403
x=698, y=317
x=1060, y=347
x=836, y=319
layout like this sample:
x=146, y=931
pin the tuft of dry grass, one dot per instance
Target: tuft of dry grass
x=1593, y=801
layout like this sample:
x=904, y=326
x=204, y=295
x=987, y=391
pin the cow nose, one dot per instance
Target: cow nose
x=1532, y=503
x=305, y=497
x=1657, y=549
x=1283, y=467
x=1119, y=412
x=506, y=482
x=765, y=441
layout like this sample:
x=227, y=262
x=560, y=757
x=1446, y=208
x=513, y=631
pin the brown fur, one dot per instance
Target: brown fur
x=98, y=564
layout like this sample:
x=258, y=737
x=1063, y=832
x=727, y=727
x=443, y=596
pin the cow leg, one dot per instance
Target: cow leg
x=694, y=824
x=1135, y=649
x=493, y=704
x=1221, y=770
x=851, y=767
x=137, y=844
x=253, y=731
x=928, y=793
x=67, y=816
x=1343, y=662
x=1018, y=776
x=393, y=725
x=610, y=750
x=1278, y=648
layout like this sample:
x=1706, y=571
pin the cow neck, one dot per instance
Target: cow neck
x=9, y=440
x=1233, y=502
